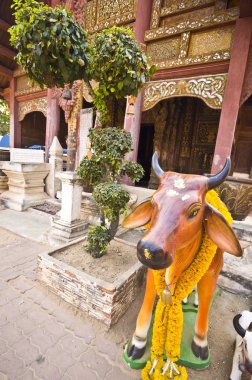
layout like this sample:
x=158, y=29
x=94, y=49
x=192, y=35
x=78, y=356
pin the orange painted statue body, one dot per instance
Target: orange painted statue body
x=178, y=215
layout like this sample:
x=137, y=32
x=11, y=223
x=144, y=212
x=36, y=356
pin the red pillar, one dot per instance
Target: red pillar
x=52, y=120
x=132, y=123
x=15, y=126
x=233, y=91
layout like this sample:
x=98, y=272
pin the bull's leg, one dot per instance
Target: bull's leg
x=137, y=346
x=206, y=289
x=238, y=359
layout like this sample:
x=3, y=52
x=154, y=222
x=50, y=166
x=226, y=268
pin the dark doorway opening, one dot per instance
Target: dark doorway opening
x=145, y=151
x=33, y=130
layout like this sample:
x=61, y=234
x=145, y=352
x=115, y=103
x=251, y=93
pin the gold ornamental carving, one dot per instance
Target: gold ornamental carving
x=33, y=105
x=186, y=61
x=188, y=24
x=208, y=88
x=100, y=14
x=171, y=6
x=155, y=16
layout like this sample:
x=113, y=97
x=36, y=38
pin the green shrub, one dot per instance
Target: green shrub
x=97, y=240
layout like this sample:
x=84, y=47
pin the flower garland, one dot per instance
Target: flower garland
x=168, y=323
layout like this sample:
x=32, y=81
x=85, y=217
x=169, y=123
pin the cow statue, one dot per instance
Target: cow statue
x=177, y=215
x=242, y=360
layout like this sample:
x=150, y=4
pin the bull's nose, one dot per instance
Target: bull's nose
x=153, y=256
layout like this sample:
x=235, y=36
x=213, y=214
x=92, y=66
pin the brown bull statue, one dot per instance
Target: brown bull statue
x=178, y=215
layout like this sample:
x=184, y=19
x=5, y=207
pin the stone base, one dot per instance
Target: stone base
x=18, y=202
x=1, y=205
x=64, y=232
x=26, y=185
x=89, y=210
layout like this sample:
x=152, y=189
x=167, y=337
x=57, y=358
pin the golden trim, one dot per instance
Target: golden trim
x=181, y=6
x=197, y=59
x=210, y=89
x=33, y=105
x=218, y=18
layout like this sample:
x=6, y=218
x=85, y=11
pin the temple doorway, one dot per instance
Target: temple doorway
x=185, y=131
x=33, y=130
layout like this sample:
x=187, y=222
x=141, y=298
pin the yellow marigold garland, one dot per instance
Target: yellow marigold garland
x=168, y=323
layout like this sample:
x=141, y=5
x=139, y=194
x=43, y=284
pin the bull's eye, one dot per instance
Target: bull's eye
x=193, y=211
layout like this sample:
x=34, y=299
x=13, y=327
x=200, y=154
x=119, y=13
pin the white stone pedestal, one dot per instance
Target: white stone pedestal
x=68, y=226
x=26, y=184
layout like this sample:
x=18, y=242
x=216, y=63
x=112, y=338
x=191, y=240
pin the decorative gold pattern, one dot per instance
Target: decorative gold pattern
x=218, y=56
x=33, y=105
x=208, y=88
x=211, y=41
x=164, y=50
x=188, y=24
x=100, y=14
x=156, y=8
x=24, y=86
x=171, y=6
x=184, y=44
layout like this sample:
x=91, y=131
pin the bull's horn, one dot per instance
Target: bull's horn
x=240, y=330
x=155, y=165
x=217, y=179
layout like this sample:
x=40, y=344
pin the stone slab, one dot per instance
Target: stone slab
x=31, y=156
x=104, y=301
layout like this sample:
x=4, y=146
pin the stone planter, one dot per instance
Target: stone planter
x=237, y=195
x=103, y=300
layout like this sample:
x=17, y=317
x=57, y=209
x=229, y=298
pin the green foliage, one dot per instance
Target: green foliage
x=52, y=47
x=107, y=165
x=118, y=64
x=4, y=118
x=91, y=170
x=111, y=198
x=133, y=170
x=97, y=240
x=111, y=144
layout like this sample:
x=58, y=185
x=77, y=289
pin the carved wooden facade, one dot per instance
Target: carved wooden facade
x=190, y=32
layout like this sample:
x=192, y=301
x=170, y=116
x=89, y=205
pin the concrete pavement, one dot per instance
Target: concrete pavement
x=41, y=336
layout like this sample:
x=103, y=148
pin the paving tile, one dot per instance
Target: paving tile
x=78, y=372
x=8, y=295
x=36, y=294
x=25, y=324
x=45, y=370
x=54, y=329
x=106, y=347
x=27, y=351
x=96, y=362
x=10, y=334
x=116, y=373
x=83, y=330
x=22, y=284
x=26, y=375
x=72, y=345
x=59, y=358
x=10, y=364
x=3, y=346
x=42, y=340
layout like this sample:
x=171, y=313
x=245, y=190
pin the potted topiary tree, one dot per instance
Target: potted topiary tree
x=104, y=170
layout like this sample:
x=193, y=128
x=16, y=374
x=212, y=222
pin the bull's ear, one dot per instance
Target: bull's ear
x=140, y=216
x=220, y=232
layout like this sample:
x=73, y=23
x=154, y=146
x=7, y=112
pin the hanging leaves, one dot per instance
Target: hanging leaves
x=52, y=46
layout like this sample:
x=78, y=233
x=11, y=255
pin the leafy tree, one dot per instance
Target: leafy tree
x=104, y=170
x=4, y=118
x=118, y=64
x=52, y=46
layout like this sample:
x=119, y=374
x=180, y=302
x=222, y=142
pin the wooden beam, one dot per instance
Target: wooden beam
x=6, y=52
x=6, y=72
x=4, y=25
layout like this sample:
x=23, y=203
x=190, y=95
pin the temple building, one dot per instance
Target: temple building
x=195, y=111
